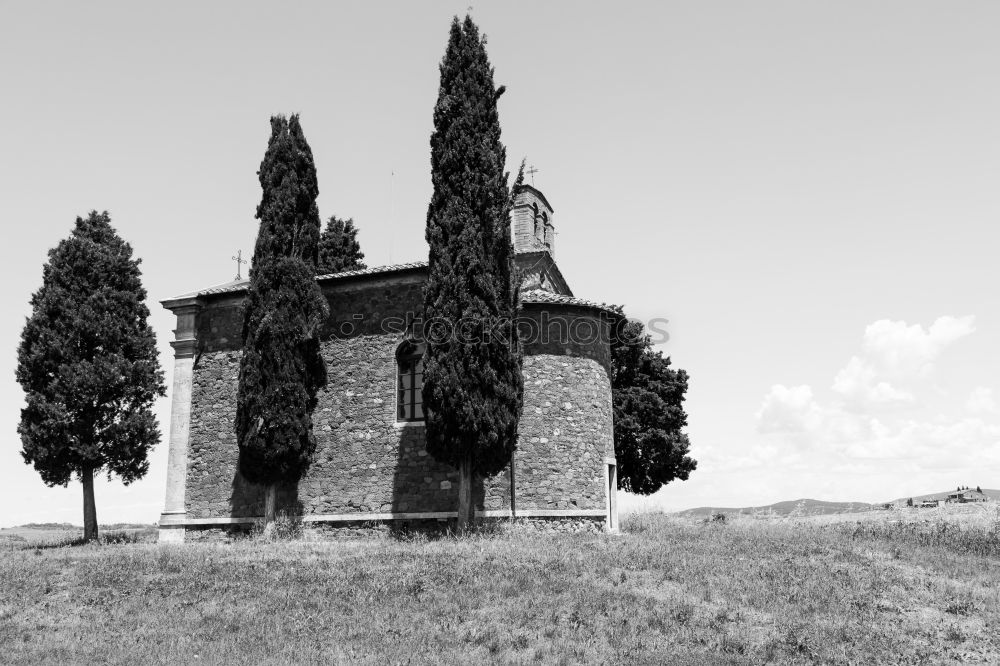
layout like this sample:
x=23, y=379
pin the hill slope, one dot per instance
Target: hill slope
x=994, y=496
x=811, y=507
x=807, y=507
x=663, y=591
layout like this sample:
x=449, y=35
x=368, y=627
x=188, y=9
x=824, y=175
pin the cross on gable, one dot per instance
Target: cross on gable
x=238, y=258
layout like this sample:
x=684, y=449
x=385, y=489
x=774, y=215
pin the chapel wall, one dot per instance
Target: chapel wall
x=364, y=461
x=566, y=424
x=367, y=463
x=565, y=430
x=212, y=450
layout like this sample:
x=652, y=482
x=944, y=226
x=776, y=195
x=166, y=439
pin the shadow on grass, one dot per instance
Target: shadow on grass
x=483, y=528
x=59, y=543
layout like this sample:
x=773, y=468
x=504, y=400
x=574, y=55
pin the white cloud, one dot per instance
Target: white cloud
x=895, y=358
x=906, y=350
x=858, y=380
x=855, y=426
x=886, y=430
x=950, y=444
x=981, y=401
x=789, y=409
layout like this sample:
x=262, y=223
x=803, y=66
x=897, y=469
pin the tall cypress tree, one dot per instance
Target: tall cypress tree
x=88, y=365
x=339, y=249
x=650, y=445
x=472, y=383
x=281, y=369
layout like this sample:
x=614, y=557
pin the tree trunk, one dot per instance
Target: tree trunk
x=465, y=508
x=270, y=500
x=89, y=507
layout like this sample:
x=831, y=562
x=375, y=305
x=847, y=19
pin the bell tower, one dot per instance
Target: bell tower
x=531, y=222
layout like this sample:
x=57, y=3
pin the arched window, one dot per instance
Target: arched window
x=535, y=218
x=410, y=381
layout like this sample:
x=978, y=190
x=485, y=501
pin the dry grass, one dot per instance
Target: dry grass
x=665, y=591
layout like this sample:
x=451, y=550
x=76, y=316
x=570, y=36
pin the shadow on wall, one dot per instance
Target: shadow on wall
x=421, y=484
x=247, y=499
x=416, y=484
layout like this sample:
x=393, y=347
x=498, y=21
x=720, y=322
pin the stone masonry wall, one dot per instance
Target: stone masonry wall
x=212, y=450
x=564, y=434
x=367, y=463
x=364, y=461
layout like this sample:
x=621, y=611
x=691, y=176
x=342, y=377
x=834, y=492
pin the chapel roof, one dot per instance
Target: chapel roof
x=235, y=286
x=533, y=296
x=543, y=296
x=538, y=193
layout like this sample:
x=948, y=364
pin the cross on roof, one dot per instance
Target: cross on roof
x=238, y=258
x=531, y=172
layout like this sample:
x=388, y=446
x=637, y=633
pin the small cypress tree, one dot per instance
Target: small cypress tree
x=281, y=368
x=339, y=249
x=88, y=365
x=648, y=398
x=472, y=387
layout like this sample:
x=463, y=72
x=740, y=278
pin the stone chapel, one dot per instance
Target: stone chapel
x=370, y=462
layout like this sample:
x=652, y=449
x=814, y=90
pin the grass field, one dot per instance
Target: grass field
x=894, y=587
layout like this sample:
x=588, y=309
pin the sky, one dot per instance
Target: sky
x=807, y=191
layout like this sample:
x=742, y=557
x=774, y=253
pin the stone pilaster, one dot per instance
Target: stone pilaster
x=611, y=521
x=185, y=343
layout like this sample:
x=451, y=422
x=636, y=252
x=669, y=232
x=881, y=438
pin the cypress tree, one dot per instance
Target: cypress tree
x=281, y=368
x=88, y=365
x=339, y=249
x=472, y=383
x=648, y=398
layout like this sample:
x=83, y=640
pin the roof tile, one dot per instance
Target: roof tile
x=530, y=296
x=542, y=296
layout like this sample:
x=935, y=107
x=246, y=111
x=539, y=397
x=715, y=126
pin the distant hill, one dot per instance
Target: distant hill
x=806, y=507
x=78, y=528
x=59, y=532
x=811, y=507
x=48, y=526
x=994, y=496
